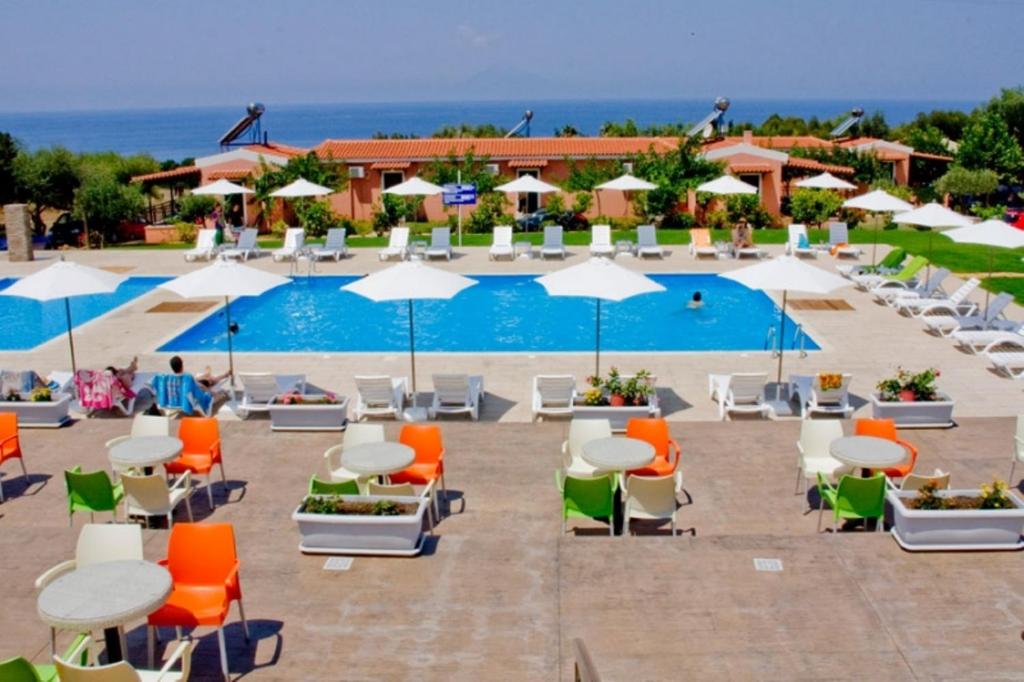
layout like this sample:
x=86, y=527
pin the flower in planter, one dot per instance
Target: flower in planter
x=994, y=496
x=12, y=396
x=909, y=387
x=830, y=381
x=41, y=395
x=593, y=397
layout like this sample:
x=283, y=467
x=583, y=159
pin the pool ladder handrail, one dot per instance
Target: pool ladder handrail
x=772, y=341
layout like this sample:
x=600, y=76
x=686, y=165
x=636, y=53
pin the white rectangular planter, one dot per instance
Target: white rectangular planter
x=935, y=414
x=618, y=416
x=358, y=534
x=309, y=417
x=48, y=415
x=920, y=530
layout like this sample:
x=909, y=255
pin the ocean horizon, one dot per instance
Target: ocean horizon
x=178, y=133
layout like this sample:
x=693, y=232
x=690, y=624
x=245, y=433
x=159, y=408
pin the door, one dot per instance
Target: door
x=529, y=201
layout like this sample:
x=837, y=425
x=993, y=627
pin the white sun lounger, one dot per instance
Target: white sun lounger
x=380, y=396
x=978, y=340
x=647, y=242
x=440, y=243
x=398, y=244
x=813, y=398
x=793, y=248
x=956, y=302
x=700, y=243
x=334, y=246
x=501, y=243
x=601, y=241
x=245, y=247
x=260, y=389
x=553, y=395
x=945, y=323
x=887, y=292
x=205, y=248
x=294, y=240
x=553, y=245
x=739, y=393
x=1007, y=356
x=839, y=233
x=457, y=394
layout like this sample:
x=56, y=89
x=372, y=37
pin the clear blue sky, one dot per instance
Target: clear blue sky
x=75, y=54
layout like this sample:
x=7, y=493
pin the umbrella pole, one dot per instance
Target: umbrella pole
x=412, y=352
x=988, y=280
x=231, y=350
x=597, y=340
x=71, y=337
x=874, y=245
x=782, y=335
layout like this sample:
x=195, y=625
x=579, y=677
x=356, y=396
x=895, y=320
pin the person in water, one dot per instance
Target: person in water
x=697, y=301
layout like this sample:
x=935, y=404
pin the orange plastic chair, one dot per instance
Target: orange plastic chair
x=666, y=451
x=203, y=563
x=428, y=466
x=886, y=428
x=10, y=445
x=200, y=437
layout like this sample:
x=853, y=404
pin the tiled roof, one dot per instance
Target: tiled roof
x=932, y=157
x=229, y=174
x=750, y=167
x=231, y=170
x=527, y=163
x=390, y=165
x=772, y=142
x=811, y=164
x=278, y=149
x=495, y=148
x=181, y=172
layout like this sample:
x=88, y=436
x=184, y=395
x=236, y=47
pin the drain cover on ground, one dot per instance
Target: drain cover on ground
x=181, y=307
x=771, y=565
x=338, y=563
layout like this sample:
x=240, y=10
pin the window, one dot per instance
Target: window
x=752, y=179
x=389, y=179
x=529, y=201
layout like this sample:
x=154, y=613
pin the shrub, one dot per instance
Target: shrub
x=186, y=232
x=582, y=201
x=315, y=217
x=194, y=206
x=278, y=228
x=387, y=213
x=490, y=211
x=679, y=220
x=748, y=206
x=717, y=220
x=814, y=206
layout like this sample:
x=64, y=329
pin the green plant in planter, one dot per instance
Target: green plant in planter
x=928, y=498
x=637, y=390
x=994, y=496
x=907, y=386
x=41, y=395
x=613, y=384
x=593, y=397
x=12, y=396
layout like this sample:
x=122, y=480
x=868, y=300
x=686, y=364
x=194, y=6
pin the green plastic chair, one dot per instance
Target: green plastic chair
x=92, y=492
x=591, y=498
x=318, y=487
x=853, y=498
x=914, y=266
x=18, y=669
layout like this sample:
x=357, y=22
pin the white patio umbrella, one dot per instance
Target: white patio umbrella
x=626, y=184
x=302, y=188
x=526, y=184
x=227, y=278
x=221, y=188
x=410, y=281
x=992, y=233
x=65, y=279
x=415, y=186
x=825, y=181
x=786, y=273
x=878, y=201
x=725, y=185
x=935, y=217
x=601, y=279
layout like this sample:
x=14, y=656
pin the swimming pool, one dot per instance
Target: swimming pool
x=27, y=323
x=503, y=313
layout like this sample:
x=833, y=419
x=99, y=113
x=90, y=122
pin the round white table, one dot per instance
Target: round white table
x=867, y=452
x=377, y=459
x=145, y=451
x=104, y=596
x=618, y=454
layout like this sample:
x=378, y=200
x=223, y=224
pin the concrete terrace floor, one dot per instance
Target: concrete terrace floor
x=869, y=342
x=501, y=593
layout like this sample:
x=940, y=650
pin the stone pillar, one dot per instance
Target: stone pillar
x=19, y=232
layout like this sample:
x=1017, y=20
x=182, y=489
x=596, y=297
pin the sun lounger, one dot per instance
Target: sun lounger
x=798, y=244
x=501, y=243
x=955, y=304
x=101, y=390
x=907, y=274
x=440, y=243
x=839, y=241
x=889, y=290
x=1007, y=356
x=601, y=241
x=739, y=393
x=61, y=381
x=260, y=389
x=945, y=322
x=380, y=396
x=398, y=244
x=553, y=395
x=334, y=246
x=553, y=245
x=889, y=265
x=294, y=240
x=647, y=242
x=181, y=394
x=245, y=247
x=814, y=398
x=457, y=394
x=977, y=341
x=205, y=248
x=700, y=243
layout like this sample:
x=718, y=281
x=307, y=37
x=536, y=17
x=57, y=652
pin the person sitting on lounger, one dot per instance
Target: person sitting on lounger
x=207, y=379
x=741, y=235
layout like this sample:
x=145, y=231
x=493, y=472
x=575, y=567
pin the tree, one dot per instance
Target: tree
x=1009, y=106
x=814, y=206
x=988, y=143
x=47, y=178
x=8, y=153
x=473, y=168
x=309, y=166
x=568, y=130
x=673, y=173
x=964, y=182
x=103, y=204
x=470, y=130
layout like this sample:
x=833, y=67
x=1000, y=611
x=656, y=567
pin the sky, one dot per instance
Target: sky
x=116, y=54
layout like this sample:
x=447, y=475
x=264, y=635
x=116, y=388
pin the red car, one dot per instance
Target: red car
x=1015, y=216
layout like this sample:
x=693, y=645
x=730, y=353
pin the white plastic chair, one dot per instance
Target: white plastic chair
x=245, y=247
x=914, y=481
x=582, y=431
x=206, y=246
x=398, y=244
x=122, y=671
x=647, y=242
x=142, y=425
x=150, y=495
x=601, y=241
x=813, y=451
x=501, y=243
x=380, y=396
x=832, y=401
x=334, y=246
x=440, y=243
x=553, y=395
x=652, y=498
x=553, y=245
x=457, y=394
x=1018, y=447
x=739, y=393
x=355, y=434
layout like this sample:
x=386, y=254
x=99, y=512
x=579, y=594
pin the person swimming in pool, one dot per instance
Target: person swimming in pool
x=697, y=301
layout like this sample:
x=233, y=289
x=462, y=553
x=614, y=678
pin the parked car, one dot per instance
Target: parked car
x=1015, y=217
x=66, y=231
x=567, y=219
x=39, y=242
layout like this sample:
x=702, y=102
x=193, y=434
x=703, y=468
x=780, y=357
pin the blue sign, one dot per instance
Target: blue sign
x=459, y=194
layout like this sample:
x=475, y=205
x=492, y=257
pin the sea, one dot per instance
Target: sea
x=179, y=133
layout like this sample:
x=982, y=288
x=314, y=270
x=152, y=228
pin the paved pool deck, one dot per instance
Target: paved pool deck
x=870, y=341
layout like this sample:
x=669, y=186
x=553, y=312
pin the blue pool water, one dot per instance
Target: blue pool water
x=503, y=313
x=27, y=323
